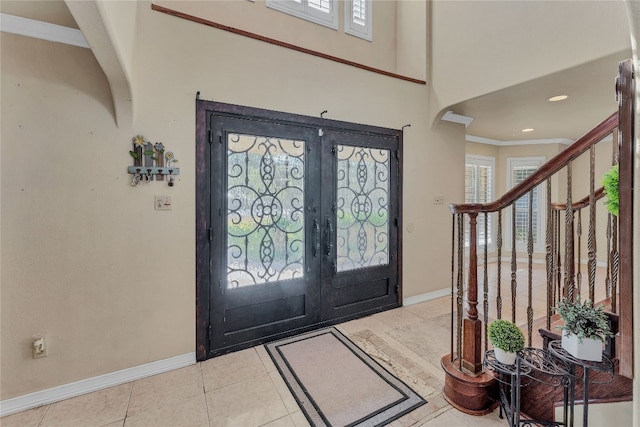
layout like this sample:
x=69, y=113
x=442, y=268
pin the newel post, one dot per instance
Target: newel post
x=472, y=325
x=466, y=386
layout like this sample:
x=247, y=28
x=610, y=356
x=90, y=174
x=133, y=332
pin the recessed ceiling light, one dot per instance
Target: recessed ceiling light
x=528, y=130
x=558, y=98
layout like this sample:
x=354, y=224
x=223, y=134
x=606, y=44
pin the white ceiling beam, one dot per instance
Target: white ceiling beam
x=42, y=30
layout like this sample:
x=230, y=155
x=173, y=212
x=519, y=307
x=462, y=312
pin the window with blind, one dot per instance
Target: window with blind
x=519, y=170
x=479, y=184
x=358, y=18
x=321, y=12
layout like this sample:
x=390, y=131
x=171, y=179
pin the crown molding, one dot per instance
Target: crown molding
x=42, y=30
x=489, y=141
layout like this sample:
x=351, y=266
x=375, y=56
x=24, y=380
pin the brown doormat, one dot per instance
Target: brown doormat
x=337, y=384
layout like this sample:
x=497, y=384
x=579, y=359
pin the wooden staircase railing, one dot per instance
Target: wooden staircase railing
x=467, y=386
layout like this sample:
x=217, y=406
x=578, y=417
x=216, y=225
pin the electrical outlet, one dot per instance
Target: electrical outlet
x=163, y=203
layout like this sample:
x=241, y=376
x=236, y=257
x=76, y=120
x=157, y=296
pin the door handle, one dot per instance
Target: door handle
x=329, y=237
x=316, y=238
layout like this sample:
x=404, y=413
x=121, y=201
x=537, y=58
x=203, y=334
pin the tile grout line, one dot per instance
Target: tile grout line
x=204, y=392
x=126, y=413
x=43, y=414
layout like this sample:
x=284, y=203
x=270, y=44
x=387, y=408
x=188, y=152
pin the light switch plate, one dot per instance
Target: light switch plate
x=163, y=203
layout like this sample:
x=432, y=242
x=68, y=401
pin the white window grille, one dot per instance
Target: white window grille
x=520, y=169
x=358, y=18
x=321, y=12
x=479, y=184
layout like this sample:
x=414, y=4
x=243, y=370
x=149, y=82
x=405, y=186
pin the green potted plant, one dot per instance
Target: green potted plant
x=585, y=328
x=507, y=340
x=610, y=185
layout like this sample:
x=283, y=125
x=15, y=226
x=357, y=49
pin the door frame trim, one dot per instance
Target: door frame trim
x=203, y=139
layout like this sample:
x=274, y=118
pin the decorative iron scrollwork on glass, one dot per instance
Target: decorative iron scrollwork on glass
x=362, y=209
x=265, y=210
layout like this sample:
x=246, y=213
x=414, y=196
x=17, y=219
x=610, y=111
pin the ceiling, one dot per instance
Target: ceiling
x=500, y=115
x=503, y=114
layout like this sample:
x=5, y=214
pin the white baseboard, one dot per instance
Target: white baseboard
x=55, y=394
x=426, y=297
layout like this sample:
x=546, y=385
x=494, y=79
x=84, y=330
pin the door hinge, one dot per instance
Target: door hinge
x=398, y=154
x=397, y=289
x=210, y=333
x=220, y=136
x=396, y=221
x=210, y=136
x=210, y=234
x=333, y=150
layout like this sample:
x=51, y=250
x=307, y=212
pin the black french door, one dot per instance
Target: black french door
x=297, y=224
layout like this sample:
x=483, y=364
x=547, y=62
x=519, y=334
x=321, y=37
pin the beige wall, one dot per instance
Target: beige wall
x=120, y=21
x=399, y=31
x=87, y=262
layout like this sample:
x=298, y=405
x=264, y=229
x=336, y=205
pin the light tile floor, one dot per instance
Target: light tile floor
x=244, y=389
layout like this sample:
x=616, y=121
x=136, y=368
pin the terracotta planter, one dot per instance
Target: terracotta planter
x=505, y=357
x=588, y=349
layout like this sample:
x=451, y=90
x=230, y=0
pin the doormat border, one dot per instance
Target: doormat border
x=314, y=414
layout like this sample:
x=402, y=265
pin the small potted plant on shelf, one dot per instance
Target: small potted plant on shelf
x=585, y=328
x=507, y=340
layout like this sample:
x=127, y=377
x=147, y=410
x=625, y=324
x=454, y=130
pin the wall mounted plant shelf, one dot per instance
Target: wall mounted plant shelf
x=157, y=162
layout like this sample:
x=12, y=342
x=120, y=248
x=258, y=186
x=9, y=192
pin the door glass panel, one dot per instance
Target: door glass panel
x=362, y=209
x=265, y=209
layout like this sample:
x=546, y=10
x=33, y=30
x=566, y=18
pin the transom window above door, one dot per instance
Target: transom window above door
x=358, y=14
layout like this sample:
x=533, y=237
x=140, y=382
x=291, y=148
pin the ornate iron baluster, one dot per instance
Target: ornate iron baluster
x=485, y=298
x=514, y=264
x=607, y=279
x=591, y=239
x=530, y=269
x=615, y=261
x=558, y=258
x=549, y=255
x=579, y=263
x=569, y=267
x=612, y=241
x=499, y=278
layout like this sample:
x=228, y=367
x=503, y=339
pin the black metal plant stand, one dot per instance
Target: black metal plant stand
x=510, y=379
x=555, y=349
